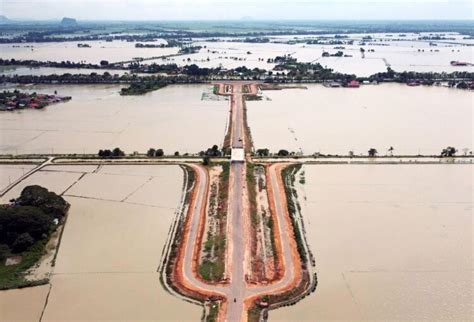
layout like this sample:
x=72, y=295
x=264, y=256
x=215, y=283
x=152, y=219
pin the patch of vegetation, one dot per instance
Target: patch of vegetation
x=189, y=50
x=289, y=177
x=252, y=190
x=152, y=153
x=449, y=152
x=142, y=88
x=253, y=314
x=25, y=228
x=253, y=97
x=213, y=312
x=111, y=153
x=212, y=267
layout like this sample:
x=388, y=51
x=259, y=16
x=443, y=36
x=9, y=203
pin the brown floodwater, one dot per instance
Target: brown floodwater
x=412, y=120
x=107, y=263
x=23, y=304
x=55, y=181
x=115, y=51
x=391, y=242
x=174, y=118
x=10, y=173
x=408, y=54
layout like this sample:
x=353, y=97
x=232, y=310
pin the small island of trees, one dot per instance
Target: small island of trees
x=26, y=224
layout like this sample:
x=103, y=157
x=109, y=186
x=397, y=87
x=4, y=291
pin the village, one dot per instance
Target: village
x=14, y=100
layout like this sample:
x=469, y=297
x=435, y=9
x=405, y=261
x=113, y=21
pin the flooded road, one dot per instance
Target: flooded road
x=412, y=120
x=174, y=118
x=391, y=242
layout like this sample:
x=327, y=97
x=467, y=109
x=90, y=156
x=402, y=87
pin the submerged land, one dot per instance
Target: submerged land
x=248, y=172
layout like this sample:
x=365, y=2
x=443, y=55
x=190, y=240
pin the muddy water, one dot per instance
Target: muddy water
x=57, y=182
x=92, y=279
x=135, y=296
x=407, y=54
x=91, y=261
x=336, y=120
x=10, y=173
x=390, y=243
x=25, y=70
x=23, y=304
x=68, y=51
x=173, y=118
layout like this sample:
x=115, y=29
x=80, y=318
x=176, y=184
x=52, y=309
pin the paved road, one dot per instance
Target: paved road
x=236, y=240
x=238, y=289
x=238, y=285
x=197, y=211
x=238, y=119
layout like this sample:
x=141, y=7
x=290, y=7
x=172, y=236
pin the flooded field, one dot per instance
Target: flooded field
x=115, y=51
x=402, y=53
x=40, y=71
x=174, y=118
x=9, y=173
x=390, y=243
x=23, y=304
x=132, y=217
x=412, y=120
x=55, y=181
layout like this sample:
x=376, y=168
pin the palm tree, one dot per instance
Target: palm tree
x=390, y=151
x=372, y=152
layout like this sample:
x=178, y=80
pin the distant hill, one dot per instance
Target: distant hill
x=68, y=22
x=4, y=20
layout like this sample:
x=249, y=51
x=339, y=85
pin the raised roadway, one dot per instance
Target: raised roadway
x=237, y=290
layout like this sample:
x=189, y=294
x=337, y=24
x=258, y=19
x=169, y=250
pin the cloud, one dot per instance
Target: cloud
x=234, y=9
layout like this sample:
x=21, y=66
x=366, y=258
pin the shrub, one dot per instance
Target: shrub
x=22, y=243
x=151, y=153
x=159, y=153
x=4, y=252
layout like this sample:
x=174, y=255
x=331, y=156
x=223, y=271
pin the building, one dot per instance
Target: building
x=353, y=84
x=237, y=155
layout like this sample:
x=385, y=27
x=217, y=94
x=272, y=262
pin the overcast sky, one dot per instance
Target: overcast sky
x=236, y=9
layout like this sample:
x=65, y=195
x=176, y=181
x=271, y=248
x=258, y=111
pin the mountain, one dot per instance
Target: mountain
x=68, y=22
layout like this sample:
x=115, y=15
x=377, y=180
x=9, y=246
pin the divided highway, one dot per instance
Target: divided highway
x=237, y=291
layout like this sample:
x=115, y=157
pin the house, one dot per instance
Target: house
x=353, y=84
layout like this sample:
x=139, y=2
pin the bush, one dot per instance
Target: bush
x=118, y=153
x=151, y=153
x=263, y=152
x=23, y=219
x=159, y=153
x=22, y=243
x=4, y=252
x=114, y=153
